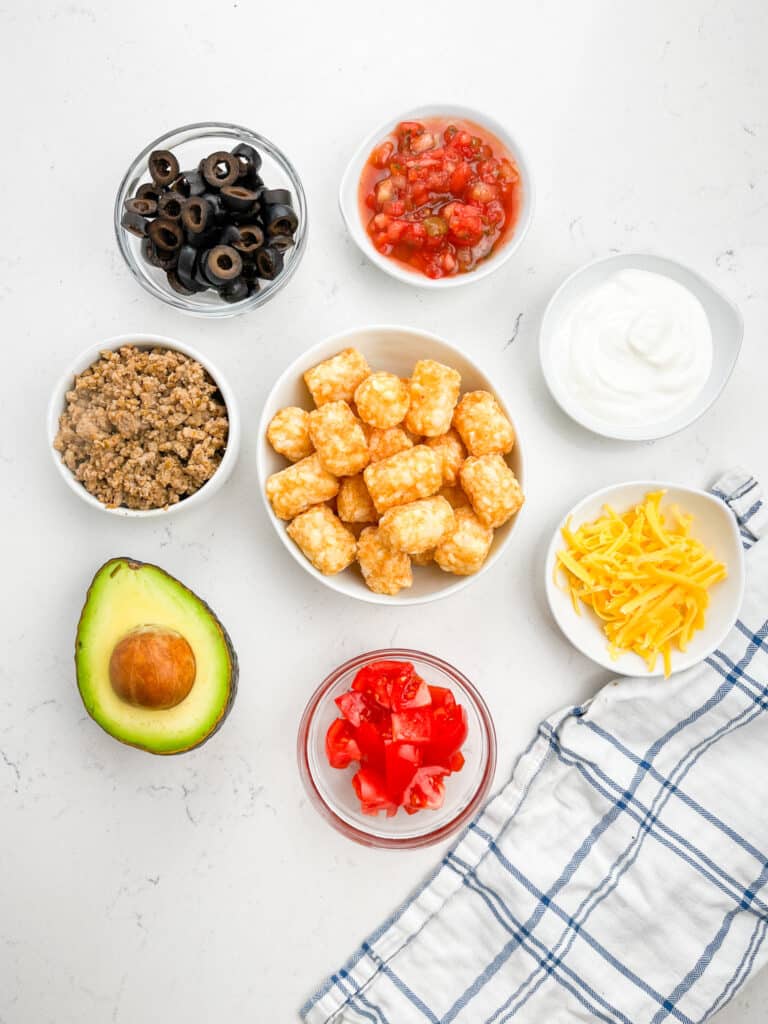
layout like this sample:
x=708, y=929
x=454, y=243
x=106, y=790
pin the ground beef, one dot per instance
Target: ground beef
x=143, y=428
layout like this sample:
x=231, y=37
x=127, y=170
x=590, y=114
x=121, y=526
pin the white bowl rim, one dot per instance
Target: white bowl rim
x=489, y=265
x=602, y=495
x=144, y=340
x=571, y=409
x=291, y=372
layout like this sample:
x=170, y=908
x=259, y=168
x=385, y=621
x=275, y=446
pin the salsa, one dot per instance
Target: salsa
x=404, y=735
x=439, y=195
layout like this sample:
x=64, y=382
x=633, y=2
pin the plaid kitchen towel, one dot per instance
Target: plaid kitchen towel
x=621, y=874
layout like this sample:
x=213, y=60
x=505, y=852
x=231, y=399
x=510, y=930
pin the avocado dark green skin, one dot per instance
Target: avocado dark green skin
x=134, y=563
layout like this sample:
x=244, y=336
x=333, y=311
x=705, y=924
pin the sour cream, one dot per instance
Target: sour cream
x=635, y=349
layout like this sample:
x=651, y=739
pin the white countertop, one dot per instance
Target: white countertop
x=204, y=887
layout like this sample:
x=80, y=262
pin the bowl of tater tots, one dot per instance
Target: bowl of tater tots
x=389, y=465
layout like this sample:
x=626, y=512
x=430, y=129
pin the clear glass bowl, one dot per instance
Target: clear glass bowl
x=330, y=789
x=190, y=144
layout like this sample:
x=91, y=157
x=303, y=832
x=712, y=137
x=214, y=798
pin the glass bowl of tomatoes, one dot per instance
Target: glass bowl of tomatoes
x=438, y=197
x=397, y=749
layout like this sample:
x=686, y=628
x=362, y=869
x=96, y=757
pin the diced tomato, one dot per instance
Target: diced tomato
x=465, y=224
x=413, y=725
x=411, y=692
x=371, y=790
x=460, y=178
x=370, y=742
x=394, y=207
x=381, y=156
x=449, y=732
x=401, y=761
x=405, y=734
x=427, y=790
x=441, y=697
x=377, y=678
x=481, y=192
x=340, y=745
x=409, y=128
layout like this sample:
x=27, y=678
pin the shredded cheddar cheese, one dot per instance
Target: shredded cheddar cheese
x=647, y=579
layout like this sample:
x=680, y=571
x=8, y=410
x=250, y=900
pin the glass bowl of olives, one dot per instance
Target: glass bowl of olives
x=211, y=219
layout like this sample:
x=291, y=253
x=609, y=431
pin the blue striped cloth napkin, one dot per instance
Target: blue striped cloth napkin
x=620, y=876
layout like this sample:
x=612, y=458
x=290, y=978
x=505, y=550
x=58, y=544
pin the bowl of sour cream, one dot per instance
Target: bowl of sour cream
x=637, y=346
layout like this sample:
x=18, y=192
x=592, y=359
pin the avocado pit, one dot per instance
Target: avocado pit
x=152, y=667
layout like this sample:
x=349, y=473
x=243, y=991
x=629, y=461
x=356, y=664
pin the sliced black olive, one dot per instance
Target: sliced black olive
x=178, y=285
x=239, y=199
x=186, y=267
x=144, y=207
x=281, y=242
x=135, y=223
x=222, y=264
x=165, y=260
x=195, y=182
x=250, y=158
x=221, y=169
x=269, y=262
x=250, y=275
x=276, y=197
x=280, y=220
x=230, y=235
x=166, y=235
x=218, y=213
x=180, y=185
x=171, y=205
x=235, y=291
x=198, y=275
x=196, y=215
x=148, y=191
x=163, y=166
x=251, y=239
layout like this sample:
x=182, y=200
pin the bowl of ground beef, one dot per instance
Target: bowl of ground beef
x=143, y=425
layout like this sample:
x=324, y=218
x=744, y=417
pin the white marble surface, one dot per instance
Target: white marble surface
x=203, y=887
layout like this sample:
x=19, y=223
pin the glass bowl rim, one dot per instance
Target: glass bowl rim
x=202, y=130
x=360, y=835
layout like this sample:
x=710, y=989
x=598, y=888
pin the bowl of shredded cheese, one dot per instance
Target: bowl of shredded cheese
x=646, y=578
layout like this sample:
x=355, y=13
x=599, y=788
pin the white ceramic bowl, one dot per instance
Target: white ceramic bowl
x=724, y=319
x=386, y=348
x=84, y=360
x=713, y=524
x=350, y=208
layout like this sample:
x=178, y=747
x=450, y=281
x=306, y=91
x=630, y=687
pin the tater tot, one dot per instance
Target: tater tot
x=382, y=400
x=451, y=450
x=419, y=526
x=465, y=550
x=294, y=489
x=353, y=501
x=384, y=570
x=483, y=427
x=339, y=439
x=424, y=557
x=434, y=392
x=383, y=443
x=288, y=433
x=336, y=379
x=492, y=489
x=407, y=476
x=324, y=539
x=455, y=497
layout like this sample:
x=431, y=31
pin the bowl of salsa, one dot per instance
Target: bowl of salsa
x=438, y=197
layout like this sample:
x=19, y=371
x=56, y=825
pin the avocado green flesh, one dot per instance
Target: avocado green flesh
x=127, y=594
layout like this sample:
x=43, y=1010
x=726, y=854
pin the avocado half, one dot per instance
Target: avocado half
x=127, y=597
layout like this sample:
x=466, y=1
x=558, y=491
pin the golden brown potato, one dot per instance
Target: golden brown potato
x=324, y=539
x=384, y=570
x=353, y=501
x=465, y=550
x=382, y=400
x=451, y=450
x=492, y=489
x=483, y=427
x=407, y=476
x=418, y=526
x=434, y=393
x=335, y=379
x=288, y=433
x=294, y=489
x=339, y=439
